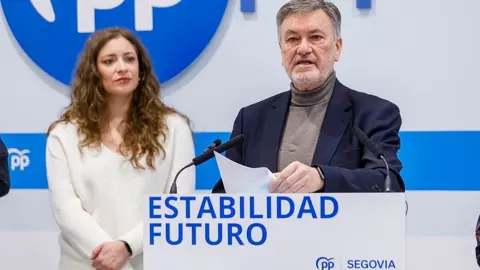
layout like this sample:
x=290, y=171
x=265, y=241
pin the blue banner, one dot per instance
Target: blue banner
x=432, y=160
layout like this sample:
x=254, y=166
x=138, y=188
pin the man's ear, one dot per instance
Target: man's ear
x=338, y=48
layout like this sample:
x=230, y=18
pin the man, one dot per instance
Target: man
x=477, y=236
x=305, y=134
x=4, y=174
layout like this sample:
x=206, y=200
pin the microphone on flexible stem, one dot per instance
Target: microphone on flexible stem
x=208, y=154
x=215, y=143
x=173, y=188
x=363, y=138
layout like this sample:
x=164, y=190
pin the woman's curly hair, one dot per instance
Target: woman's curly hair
x=145, y=124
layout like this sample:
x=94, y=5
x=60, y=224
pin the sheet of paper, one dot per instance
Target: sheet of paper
x=241, y=179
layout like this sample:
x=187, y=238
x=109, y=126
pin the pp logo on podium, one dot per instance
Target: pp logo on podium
x=324, y=263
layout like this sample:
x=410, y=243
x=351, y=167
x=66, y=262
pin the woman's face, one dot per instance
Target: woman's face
x=118, y=66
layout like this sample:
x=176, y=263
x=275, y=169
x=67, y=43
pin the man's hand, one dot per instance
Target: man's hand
x=297, y=178
x=110, y=256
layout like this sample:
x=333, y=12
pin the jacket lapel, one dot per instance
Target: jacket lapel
x=273, y=131
x=334, y=124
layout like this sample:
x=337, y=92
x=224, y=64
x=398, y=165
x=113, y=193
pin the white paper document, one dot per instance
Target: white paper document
x=237, y=178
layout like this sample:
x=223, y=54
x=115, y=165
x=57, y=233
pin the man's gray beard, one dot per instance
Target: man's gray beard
x=303, y=79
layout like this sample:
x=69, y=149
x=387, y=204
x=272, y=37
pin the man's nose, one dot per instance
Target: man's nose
x=304, y=47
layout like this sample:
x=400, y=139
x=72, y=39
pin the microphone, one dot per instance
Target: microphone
x=215, y=143
x=208, y=154
x=363, y=138
x=221, y=148
x=173, y=188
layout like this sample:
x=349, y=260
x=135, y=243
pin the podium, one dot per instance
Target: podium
x=275, y=231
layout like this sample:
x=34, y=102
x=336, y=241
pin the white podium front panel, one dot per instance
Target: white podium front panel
x=273, y=231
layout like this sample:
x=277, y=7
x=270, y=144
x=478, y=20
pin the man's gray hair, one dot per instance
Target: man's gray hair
x=305, y=6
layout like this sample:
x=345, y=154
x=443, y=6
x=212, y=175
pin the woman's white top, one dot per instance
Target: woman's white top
x=98, y=196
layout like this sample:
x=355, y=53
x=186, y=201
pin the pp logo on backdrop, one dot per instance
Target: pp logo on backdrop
x=26, y=159
x=324, y=263
x=19, y=159
x=53, y=32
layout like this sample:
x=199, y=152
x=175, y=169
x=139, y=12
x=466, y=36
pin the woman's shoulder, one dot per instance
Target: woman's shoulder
x=63, y=139
x=177, y=122
x=64, y=129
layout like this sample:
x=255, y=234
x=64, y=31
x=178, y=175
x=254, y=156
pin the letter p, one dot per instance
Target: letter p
x=327, y=265
x=324, y=263
x=86, y=12
x=144, y=12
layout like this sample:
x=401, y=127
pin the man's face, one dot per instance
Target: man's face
x=309, y=48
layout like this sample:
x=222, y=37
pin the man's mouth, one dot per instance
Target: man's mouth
x=304, y=62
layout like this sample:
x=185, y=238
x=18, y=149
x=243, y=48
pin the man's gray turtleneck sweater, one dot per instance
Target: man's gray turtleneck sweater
x=305, y=117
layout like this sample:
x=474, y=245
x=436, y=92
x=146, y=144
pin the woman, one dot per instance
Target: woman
x=115, y=143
